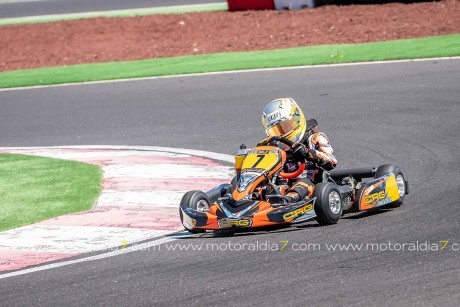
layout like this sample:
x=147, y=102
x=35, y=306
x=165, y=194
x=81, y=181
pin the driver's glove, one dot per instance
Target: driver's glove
x=299, y=152
x=302, y=154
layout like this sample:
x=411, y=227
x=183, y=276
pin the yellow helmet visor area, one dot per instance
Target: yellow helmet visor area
x=283, y=128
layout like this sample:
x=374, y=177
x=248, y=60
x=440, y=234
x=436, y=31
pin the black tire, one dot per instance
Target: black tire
x=325, y=215
x=311, y=4
x=391, y=168
x=191, y=199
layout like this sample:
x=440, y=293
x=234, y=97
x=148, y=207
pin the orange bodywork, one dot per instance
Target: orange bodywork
x=260, y=215
x=259, y=219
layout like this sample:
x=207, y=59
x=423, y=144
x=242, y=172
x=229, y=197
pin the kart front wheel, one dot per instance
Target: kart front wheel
x=328, y=204
x=198, y=201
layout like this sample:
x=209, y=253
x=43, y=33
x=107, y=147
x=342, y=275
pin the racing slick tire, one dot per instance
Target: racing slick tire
x=194, y=199
x=400, y=181
x=328, y=204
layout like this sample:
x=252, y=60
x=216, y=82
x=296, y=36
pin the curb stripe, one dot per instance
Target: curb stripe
x=145, y=198
x=104, y=160
x=170, y=184
x=126, y=211
x=170, y=150
x=13, y=259
x=141, y=217
x=167, y=171
x=72, y=239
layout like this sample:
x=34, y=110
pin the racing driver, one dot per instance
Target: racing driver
x=283, y=117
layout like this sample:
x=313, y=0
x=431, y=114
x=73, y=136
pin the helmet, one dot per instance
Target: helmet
x=283, y=117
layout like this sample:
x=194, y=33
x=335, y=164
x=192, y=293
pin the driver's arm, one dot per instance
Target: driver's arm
x=322, y=154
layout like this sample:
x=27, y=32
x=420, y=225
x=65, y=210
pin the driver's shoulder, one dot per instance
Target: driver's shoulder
x=319, y=138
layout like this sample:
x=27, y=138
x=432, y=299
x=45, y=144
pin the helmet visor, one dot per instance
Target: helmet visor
x=283, y=127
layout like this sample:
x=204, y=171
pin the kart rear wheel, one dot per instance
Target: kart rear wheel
x=400, y=181
x=328, y=204
x=197, y=200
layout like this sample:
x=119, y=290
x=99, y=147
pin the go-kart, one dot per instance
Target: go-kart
x=255, y=198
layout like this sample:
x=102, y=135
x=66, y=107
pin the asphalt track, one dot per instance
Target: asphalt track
x=405, y=113
x=18, y=8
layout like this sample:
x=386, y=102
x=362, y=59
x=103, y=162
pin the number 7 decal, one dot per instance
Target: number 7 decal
x=261, y=157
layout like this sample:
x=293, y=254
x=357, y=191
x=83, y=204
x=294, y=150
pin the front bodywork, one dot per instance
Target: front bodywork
x=246, y=215
x=259, y=164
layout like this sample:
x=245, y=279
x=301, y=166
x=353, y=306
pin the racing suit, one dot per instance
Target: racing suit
x=319, y=157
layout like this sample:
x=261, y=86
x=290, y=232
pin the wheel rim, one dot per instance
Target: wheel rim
x=401, y=185
x=334, y=202
x=202, y=206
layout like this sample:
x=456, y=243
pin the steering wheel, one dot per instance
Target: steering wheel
x=290, y=144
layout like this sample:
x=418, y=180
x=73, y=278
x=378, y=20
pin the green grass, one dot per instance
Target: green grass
x=180, y=9
x=439, y=46
x=35, y=188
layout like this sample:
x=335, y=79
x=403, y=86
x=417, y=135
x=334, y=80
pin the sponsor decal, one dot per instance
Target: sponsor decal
x=298, y=212
x=374, y=197
x=273, y=117
x=229, y=223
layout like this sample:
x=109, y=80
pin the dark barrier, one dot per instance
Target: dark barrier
x=245, y=5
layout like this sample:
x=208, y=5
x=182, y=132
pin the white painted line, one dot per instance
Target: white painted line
x=139, y=247
x=228, y=72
